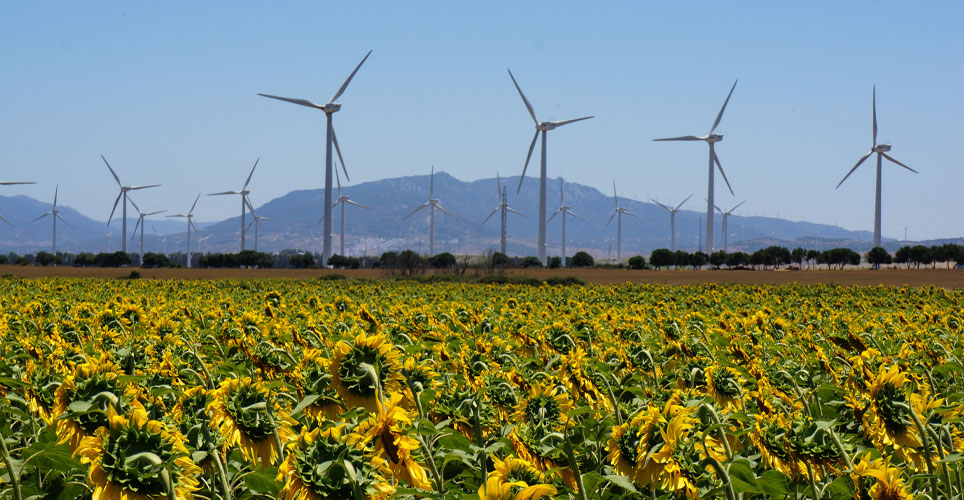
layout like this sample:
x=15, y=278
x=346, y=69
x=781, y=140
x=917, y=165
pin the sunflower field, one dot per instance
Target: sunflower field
x=136, y=390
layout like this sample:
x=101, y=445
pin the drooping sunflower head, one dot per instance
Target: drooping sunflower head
x=770, y=437
x=87, y=394
x=725, y=385
x=544, y=406
x=515, y=478
x=888, y=420
x=314, y=378
x=353, y=365
x=888, y=483
x=243, y=411
x=127, y=460
x=42, y=383
x=388, y=431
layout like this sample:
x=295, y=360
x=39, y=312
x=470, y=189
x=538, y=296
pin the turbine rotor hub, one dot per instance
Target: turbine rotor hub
x=545, y=126
x=714, y=138
x=331, y=107
x=882, y=148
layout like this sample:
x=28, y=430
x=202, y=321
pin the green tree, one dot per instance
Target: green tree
x=444, y=260
x=531, y=261
x=718, y=258
x=302, y=261
x=500, y=259
x=661, y=257
x=698, y=259
x=153, y=260
x=877, y=256
x=555, y=262
x=798, y=255
x=45, y=259
x=583, y=259
x=637, y=262
x=737, y=259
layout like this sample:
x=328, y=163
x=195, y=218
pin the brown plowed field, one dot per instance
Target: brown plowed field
x=944, y=278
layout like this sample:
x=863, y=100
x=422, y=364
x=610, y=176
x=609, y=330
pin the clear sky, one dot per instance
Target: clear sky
x=167, y=92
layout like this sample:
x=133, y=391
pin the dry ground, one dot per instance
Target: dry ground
x=944, y=278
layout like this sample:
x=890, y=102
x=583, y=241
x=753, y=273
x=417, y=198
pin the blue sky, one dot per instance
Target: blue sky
x=167, y=92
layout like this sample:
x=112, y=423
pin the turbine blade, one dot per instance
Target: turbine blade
x=717, y=160
x=143, y=187
x=660, y=204
x=301, y=102
x=341, y=90
x=566, y=122
x=191, y=221
x=154, y=212
x=56, y=189
x=736, y=207
x=720, y=116
x=250, y=224
x=335, y=204
x=528, y=157
x=446, y=212
x=250, y=174
x=610, y=220
x=431, y=184
x=875, y=115
x=532, y=112
x=861, y=160
x=574, y=215
x=334, y=139
x=178, y=215
x=135, y=205
x=615, y=198
x=136, y=224
x=561, y=182
x=224, y=192
x=891, y=158
x=682, y=202
x=111, y=171
x=681, y=138
x=5, y=220
x=356, y=204
x=554, y=214
x=116, y=201
x=247, y=203
x=718, y=209
x=338, y=181
x=195, y=204
x=11, y=183
x=41, y=217
x=627, y=212
x=62, y=219
x=510, y=209
x=489, y=217
x=423, y=205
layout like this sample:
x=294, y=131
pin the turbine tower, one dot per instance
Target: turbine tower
x=140, y=222
x=725, y=227
x=344, y=200
x=56, y=215
x=711, y=139
x=672, y=220
x=503, y=208
x=432, y=203
x=123, y=194
x=245, y=203
x=11, y=183
x=329, y=109
x=540, y=127
x=257, y=224
x=190, y=222
x=618, y=214
x=564, y=210
x=881, y=150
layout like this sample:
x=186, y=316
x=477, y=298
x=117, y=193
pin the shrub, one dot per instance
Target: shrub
x=637, y=262
x=583, y=259
x=531, y=261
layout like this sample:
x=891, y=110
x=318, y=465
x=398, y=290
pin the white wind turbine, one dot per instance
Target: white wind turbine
x=11, y=183
x=881, y=150
x=257, y=225
x=107, y=242
x=123, y=194
x=503, y=207
x=56, y=215
x=672, y=220
x=540, y=127
x=160, y=239
x=329, y=109
x=711, y=139
x=618, y=214
x=245, y=203
x=432, y=203
x=343, y=200
x=725, y=228
x=564, y=210
x=141, y=223
x=190, y=222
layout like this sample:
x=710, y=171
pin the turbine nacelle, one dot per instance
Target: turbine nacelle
x=881, y=148
x=546, y=126
x=713, y=138
x=330, y=108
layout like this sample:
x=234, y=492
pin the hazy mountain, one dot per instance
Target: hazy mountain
x=385, y=227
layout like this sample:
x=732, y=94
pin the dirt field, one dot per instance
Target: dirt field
x=945, y=278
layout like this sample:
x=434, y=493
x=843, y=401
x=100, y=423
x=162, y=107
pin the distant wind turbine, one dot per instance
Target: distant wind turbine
x=672, y=220
x=432, y=203
x=343, y=200
x=190, y=222
x=56, y=215
x=123, y=194
x=140, y=222
x=245, y=203
x=540, y=127
x=881, y=150
x=564, y=210
x=11, y=183
x=725, y=228
x=711, y=139
x=618, y=214
x=503, y=207
x=329, y=109
x=257, y=225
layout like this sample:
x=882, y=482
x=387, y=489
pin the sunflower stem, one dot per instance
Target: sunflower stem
x=723, y=474
x=222, y=474
x=14, y=477
x=716, y=420
x=926, y=442
x=274, y=432
x=940, y=452
x=209, y=381
x=840, y=447
x=813, y=484
x=573, y=465
x=479, y=441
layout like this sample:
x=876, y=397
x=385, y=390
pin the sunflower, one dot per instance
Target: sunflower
x=630, y=443
x=770, y=437
x=888, y=485
x=314, y=378
x=577, y=382
x=93, y=385
x=419, y=376
x=351, y=370
x=243, y=412
x=386, y=430
x=129, y=458
x=544, y=406
x=725, y=385
x=887, y=419
x=679, y=459
x=42, y=383
x=305, y=478
x=515, y=479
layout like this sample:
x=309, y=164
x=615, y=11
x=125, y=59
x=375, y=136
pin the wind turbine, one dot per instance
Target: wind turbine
x=56, y=215
x=245, y=203
x=329, y=109
x=540, y=127
x=881, y=150
x=343, y=200
x=257, y=224
x=711, y=139
x=432, y=203
x=123, y=194
x=190, y=222
x=563, y=209
x=618, y=214
x=160, y=239
x=11, y=183
x=140, y=222
x=503, y=208
x=107, y=237
x=725, y=228
x=672, y=220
